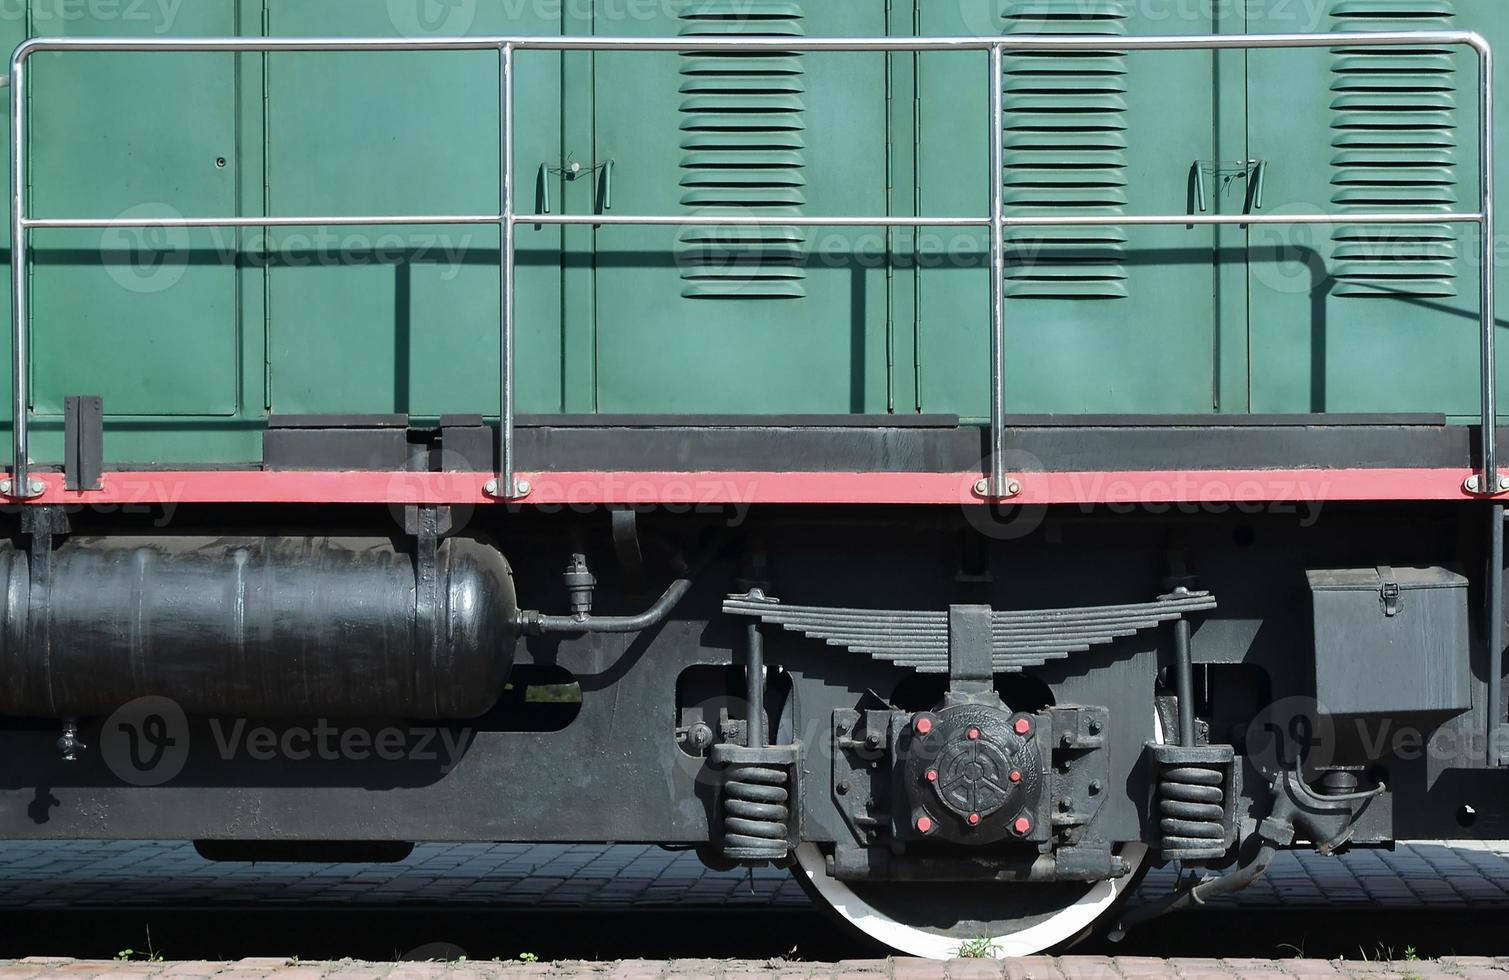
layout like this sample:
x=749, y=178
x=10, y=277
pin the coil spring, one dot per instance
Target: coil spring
x=1192, y=812
x=754, y=812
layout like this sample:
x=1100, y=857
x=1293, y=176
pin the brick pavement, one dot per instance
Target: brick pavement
x=43, y=874
x=1027, y=968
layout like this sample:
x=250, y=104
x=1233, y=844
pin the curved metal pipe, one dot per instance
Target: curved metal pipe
x=1200, y=893
x=1208, y=888
x=535, y=623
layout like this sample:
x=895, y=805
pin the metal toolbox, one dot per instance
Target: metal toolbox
x=1390, y=640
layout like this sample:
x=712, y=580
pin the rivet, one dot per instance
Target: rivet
x=1021, y=825
x=982, y=488
x=1021, y=726
x=1016, y=776
x=922, y=725
x=4, y=486
x=974, y=819
x=1013, y=488
x=490, y=488
x=972, y=734
x=924, y=825
x=843, y=789
x=932, y=775
x=1096, y=786
x=522, y=488
x=37, y=486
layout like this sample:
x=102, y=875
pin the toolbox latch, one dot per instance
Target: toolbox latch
x=1388, y=590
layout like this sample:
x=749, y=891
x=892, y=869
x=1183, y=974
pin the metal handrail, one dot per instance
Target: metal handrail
x=506, y=485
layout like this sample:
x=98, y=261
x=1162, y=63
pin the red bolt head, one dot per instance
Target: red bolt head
x=1021, y=825
x=1016, y=776
x=932, y=775
x=973, y=818
x=922, y=725
x=972, y=734
x=924, y=825
x=1022, y=726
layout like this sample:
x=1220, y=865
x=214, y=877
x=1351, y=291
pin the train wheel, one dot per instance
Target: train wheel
x=935, y=920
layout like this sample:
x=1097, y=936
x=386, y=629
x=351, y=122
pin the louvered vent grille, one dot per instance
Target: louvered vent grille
x=1065, y=152
x=1394, y=117
x=743, y=146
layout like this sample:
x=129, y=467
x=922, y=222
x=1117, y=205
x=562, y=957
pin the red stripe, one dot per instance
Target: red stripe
x=1150, y=487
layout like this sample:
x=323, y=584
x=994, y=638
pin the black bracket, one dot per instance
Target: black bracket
x=83, y=441
x=1081, y=772
x=970, y=666
x=626, y=546
x=429, y=526
x=861, y=770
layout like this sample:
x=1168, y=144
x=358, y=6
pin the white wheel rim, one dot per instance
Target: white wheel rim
x=1057, y=928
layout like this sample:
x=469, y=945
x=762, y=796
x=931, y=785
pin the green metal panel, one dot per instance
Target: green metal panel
x=1111, y=319
x=147, y=319
x=787, y=319
x=406, y=320
x=1365, y=318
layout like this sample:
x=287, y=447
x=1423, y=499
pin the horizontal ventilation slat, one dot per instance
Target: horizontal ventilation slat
x=1393, y=120
x=742, y=119
x=1065, y=118
x=790, y=139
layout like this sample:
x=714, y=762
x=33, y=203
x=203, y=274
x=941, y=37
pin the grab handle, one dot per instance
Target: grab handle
x=544, y=188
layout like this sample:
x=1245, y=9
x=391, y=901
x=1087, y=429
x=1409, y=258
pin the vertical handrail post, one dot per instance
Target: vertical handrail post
x=997, y=485
x=20, y=480
x=1490, y=477
x=508, y=487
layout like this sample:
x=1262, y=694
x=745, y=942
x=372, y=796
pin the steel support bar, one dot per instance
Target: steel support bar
x=1042, y=42
x=996, y=485
x=304, y=221
x=808, y=221
x=754, y=220
x=1488, y=359
x=507, y=487
x=1409, y=218
x=20, y=485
